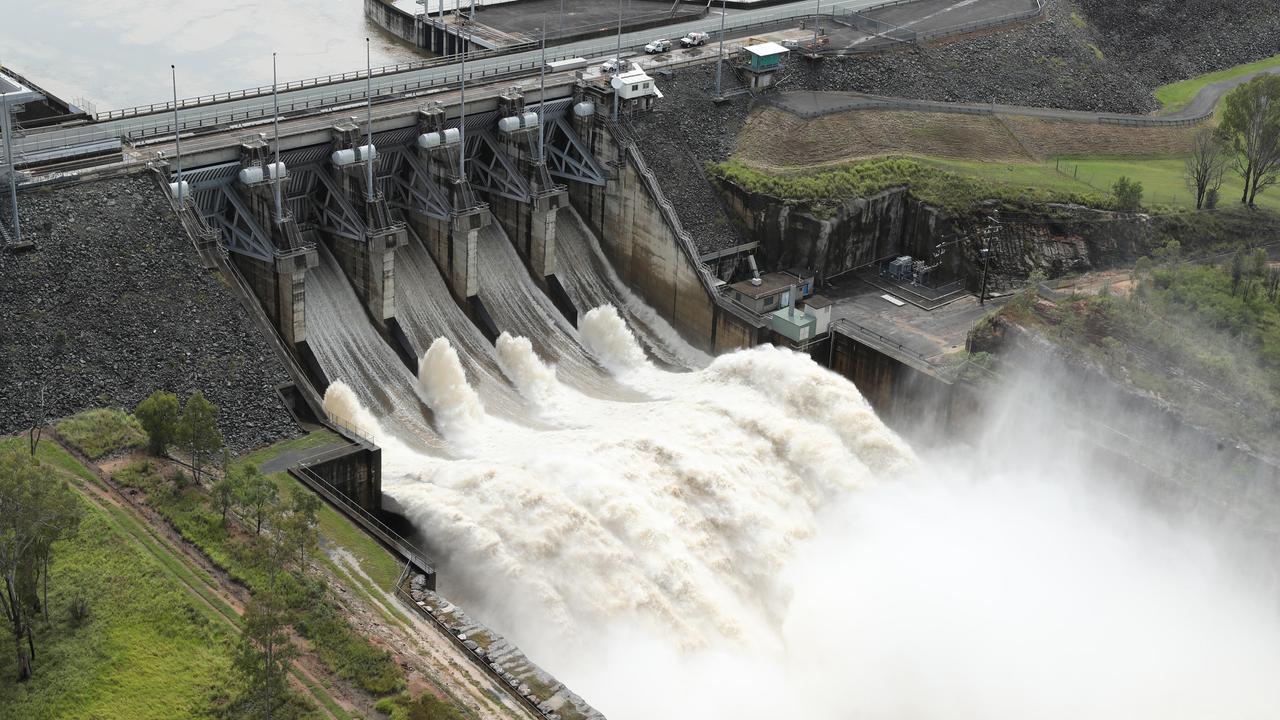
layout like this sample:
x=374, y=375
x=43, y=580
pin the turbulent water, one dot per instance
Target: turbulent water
x=748, y=540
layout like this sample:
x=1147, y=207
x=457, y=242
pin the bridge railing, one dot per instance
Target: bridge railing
x=335, y=78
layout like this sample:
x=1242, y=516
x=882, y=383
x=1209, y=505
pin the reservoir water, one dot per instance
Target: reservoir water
x=116, y=53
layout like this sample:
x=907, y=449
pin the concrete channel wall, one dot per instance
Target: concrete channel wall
x=650, y=250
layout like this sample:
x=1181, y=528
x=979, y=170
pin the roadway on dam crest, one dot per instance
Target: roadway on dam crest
x=434, y=74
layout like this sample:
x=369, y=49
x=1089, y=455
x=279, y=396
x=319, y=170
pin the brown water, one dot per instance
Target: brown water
x=116, y=53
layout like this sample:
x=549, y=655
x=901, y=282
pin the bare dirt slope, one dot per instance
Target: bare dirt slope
x=773, y=138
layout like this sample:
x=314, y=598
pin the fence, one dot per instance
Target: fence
x=754, y=21
x=876, y=102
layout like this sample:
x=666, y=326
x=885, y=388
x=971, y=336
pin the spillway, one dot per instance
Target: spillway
x=519, y=307
x=351, y=351
x=749, y=540
x=591, y=282
x=427, y=311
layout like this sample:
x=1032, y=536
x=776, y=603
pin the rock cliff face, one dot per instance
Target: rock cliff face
x=1057, y=239
x=113, y=304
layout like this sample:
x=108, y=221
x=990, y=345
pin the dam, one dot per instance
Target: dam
x=685, y=485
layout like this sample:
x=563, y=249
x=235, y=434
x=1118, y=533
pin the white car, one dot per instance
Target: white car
x=658, y=46
x=613, y=65
x=694, y=39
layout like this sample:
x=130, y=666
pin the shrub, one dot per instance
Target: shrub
x=1128, y=194
x=102, y=432
x=159, y=417
x=78, y=610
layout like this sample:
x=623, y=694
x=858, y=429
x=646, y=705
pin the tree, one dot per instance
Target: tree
x=37, y=424
x=1251, y=121
x=1206, y=166
x=263, y=655
x=35, y=512
x=198, y=431
x=1257, y=265
x=299, y=526
x=1273, y=284
x=1128, y=194
x=223, y=495
x=158, y=415
x=256, y=494
x=1237, y=272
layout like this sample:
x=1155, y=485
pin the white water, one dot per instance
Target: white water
x=750, y=541
x=591, y=282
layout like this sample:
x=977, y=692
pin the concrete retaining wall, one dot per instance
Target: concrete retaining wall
x=649, y=255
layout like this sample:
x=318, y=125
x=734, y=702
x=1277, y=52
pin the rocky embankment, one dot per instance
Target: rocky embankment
x=113, y=303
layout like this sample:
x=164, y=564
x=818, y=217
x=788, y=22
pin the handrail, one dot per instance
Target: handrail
x=371, y=523
x=888, y=342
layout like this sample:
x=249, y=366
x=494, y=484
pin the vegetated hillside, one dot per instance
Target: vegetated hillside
x=1161, y=41
x=113, y=304
x=1201, y=340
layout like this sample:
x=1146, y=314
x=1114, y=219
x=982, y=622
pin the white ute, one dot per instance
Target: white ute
x=613, y=65
x=694, y=39
x=658, y=46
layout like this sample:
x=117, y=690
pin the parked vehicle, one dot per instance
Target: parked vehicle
x=613, y=65
x=694, y=39
x=658, y=46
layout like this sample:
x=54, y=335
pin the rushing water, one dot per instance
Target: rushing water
x=116, y=53
x=748, y=540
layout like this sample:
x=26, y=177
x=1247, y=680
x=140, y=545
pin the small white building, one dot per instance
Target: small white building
x=635, y=84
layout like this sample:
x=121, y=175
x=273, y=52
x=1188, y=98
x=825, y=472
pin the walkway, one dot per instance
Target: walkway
x=814, y=104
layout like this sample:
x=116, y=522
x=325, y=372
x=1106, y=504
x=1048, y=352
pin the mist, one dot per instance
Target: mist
x=752, y=542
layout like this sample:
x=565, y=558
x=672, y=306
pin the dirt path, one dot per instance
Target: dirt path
x=433, y=663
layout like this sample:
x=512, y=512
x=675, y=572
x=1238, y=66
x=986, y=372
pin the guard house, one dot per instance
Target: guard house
x=763, y=60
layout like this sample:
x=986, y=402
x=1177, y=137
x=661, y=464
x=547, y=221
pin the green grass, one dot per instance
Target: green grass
x=1176, y=96
x=335, y=528
x=343, y=650
x=958, y=184
x=101, y=432
x=148, y=650
x=313, y=440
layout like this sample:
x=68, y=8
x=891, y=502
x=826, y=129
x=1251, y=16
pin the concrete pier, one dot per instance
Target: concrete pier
x=531, y=222
x=450, y=232
x=364, y=239
x=278, y=282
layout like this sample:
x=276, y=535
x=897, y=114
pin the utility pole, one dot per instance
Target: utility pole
x=368, y=92
x=177, y=133
x=561, y=36
x=272, y=172
x=7, y=128
x=720, y=60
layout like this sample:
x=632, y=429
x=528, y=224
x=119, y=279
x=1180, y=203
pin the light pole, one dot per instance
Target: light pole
x=274, y=171
x=617, y=63
x=720, y=60
x=815, y=25
x=542, y=96
x=177, y=134
x=368, y=92
x=6, y=126
x=462, y=121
